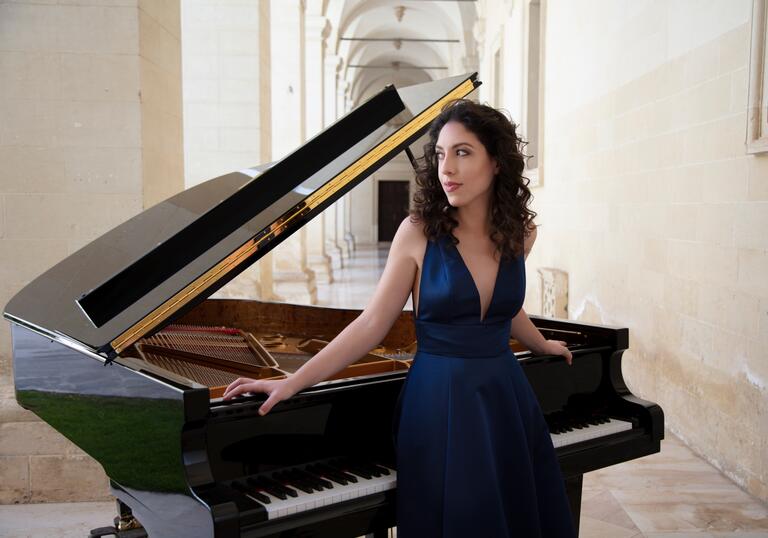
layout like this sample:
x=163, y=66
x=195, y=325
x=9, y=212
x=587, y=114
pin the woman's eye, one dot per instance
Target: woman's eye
x=462, y=152
x=439, y=156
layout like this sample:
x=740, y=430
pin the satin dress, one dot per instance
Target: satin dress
x=474, y=455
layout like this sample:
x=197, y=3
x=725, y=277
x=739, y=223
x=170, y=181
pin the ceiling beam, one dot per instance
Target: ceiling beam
x=401, y=39
x=397, y=66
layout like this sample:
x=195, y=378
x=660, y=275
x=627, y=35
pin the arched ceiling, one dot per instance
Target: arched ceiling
x=399, y=42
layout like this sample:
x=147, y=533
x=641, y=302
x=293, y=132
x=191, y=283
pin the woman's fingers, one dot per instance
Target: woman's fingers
x=277, y=391
x=241, y=386
x=237, y=382
x=566, y=352
x=267, y=406
x=568, y=355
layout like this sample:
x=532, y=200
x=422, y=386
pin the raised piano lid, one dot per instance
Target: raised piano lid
x=144, y=273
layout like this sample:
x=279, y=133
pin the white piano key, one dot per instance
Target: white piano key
x=278, y=508
x=593, y=431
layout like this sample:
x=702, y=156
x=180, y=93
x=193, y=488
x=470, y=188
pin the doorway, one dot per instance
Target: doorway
x=394, y=197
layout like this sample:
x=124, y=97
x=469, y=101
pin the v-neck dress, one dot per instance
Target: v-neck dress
x=474, y=455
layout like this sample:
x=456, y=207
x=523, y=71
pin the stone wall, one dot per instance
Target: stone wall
x=226, y=87
x=652, y=205
x=90, y=134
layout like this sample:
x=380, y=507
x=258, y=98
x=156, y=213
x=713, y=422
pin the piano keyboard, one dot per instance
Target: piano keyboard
x=296, y=490
x=316, y=485
x=584, y=431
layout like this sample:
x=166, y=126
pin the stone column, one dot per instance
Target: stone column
x=332, y=65
x=90, y=134
x=227, y=105
x=340, y=214
x=349, y=237
x=342, y=88
x=293, y=278
x=346, y=215
x=317, y=29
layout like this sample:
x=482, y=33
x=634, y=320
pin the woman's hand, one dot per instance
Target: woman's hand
x=556, y=347
x=278, y=390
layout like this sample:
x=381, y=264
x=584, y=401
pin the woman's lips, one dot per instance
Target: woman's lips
x=450, y=186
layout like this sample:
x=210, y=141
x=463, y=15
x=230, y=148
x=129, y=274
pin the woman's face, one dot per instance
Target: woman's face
x=464, y=168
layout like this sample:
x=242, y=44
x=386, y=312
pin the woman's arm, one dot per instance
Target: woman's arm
x=525, y=332
x=360, y=336
x=523, y=329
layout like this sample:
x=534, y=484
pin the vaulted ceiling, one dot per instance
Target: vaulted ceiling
x=400, y=42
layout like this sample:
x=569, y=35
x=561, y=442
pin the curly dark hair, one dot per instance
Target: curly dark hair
x=511, y=219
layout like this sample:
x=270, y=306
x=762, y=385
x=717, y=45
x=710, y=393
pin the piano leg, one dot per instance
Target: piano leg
x=126, y=526
x=573, y=490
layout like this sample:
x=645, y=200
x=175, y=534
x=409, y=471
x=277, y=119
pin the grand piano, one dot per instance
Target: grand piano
x=121, y=348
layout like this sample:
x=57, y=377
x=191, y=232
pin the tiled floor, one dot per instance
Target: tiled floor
x=673, y=494
x=354, y=282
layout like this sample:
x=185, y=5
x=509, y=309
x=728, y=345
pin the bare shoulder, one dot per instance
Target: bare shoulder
x=412, y=228
x=410, y=238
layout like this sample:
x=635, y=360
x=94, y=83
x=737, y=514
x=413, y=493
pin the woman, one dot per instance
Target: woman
x=474, y=456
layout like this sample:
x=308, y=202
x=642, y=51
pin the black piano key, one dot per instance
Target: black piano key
x=316, y=481
x=271, y=488
x=372, y=469
x=350, y=477
x=258, y=487
x=329, y=473
x=282, y=479
x=260, y=497
x=254, y=492
x=307, y=479
x=383, y=470
x=351, y=467
x=322, y=481
x=285, y=477
x=337, y=478
x=306, y=483
x=285, y=489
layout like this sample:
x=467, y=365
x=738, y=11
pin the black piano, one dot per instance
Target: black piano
x=121, y=349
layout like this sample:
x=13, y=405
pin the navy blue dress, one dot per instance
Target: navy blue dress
x=474, y=455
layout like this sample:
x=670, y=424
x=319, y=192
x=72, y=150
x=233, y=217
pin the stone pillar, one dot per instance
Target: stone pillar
x=332, y=65
x=227, y=105
x=554, y=292
x=342, y=242
x=293, y=278
x=317, y=29
x=349, y=237
x=345, y=222
x=90, y=134
x=340, y=214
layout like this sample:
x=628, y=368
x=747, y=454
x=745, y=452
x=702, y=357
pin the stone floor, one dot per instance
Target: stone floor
x=671, y=494
x=355, y=281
